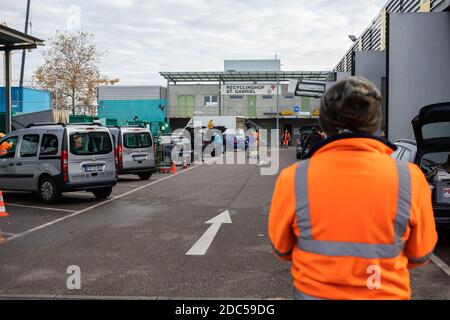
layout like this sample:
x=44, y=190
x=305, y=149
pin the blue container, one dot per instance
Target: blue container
x=26, y=100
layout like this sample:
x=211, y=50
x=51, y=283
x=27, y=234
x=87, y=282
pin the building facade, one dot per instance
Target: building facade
x=254, y=89
x=187, y=100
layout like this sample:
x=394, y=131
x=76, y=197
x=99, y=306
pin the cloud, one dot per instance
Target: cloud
x=142, y=37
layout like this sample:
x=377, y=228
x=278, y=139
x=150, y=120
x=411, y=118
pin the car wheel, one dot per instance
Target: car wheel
x=48, y=191
x=102, y=193
x=145, y=175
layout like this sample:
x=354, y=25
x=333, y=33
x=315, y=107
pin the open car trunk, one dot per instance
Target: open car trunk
x=432, y=131
x=432, y=126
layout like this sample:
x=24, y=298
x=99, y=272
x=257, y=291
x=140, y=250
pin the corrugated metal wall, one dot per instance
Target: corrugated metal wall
x=373, y=38
x=130, y=93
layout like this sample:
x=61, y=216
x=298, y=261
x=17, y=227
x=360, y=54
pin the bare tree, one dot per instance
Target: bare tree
x=70, y=68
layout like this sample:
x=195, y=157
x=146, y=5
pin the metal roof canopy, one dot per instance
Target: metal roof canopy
x=11, y=39
x=244, y=76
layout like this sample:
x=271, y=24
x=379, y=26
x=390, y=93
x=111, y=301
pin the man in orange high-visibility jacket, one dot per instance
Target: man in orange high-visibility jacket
x=352, y=220
x=286, y=139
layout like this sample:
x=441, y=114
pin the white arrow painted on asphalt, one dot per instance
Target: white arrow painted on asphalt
x=203, y=244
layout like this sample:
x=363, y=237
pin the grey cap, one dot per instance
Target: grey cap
x=351, y=105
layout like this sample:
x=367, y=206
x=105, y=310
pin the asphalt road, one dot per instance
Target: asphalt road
x=134, y=244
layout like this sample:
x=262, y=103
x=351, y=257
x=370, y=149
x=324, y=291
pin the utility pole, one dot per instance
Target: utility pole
x=8, y=90
x=24, y=52
x=278, y=103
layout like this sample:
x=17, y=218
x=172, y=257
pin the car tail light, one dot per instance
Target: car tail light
x=116, y=161
x=65, y=165
x=119, y=157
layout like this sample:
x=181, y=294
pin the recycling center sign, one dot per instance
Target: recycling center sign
x=248, y=89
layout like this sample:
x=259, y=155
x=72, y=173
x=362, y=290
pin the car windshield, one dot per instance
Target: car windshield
x=90, y=143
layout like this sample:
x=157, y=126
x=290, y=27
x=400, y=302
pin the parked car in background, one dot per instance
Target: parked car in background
x=431, y=152
x=406, y=151
x=135, y=151
x=51, y=159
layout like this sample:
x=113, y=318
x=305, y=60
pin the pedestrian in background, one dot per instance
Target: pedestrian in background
x=314, y=138
x=352, y=220
x=286, y=138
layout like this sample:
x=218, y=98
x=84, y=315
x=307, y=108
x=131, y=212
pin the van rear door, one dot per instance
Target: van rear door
x=91, y=156
x=137, y=151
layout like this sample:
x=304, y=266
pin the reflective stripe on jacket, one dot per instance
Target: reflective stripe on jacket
x=349, y=208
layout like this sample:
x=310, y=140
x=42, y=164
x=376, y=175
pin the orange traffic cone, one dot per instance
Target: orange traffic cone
x=3, y=213
x=174, y=168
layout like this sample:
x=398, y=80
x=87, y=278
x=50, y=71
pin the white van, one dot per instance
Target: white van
x=135, y=150
x=52, y=159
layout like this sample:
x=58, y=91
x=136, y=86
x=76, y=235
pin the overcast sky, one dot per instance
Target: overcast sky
x=141, y=38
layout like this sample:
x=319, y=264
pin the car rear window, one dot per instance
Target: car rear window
x=133, y=140
x=436, y=130
x=90, y=143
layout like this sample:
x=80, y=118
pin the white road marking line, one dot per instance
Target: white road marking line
x=76, y=213
x=8, y=234
x=441, y=264
x=37, y=207
x=129, y=185
x=79, y=194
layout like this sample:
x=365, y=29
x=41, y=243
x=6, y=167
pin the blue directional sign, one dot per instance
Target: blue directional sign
x=296, y=109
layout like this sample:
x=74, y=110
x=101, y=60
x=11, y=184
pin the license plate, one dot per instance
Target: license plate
x=140, y=158
x=446, y=192
x=93, y=168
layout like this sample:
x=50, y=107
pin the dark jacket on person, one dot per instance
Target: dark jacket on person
x=313, y=138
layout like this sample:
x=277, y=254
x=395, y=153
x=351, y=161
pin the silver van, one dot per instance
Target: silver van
x=52, y=159
x=135, y=150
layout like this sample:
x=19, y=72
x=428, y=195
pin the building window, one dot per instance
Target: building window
x=211, y=101
x=236, y=97
x=289, y=97
x=267, y=97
